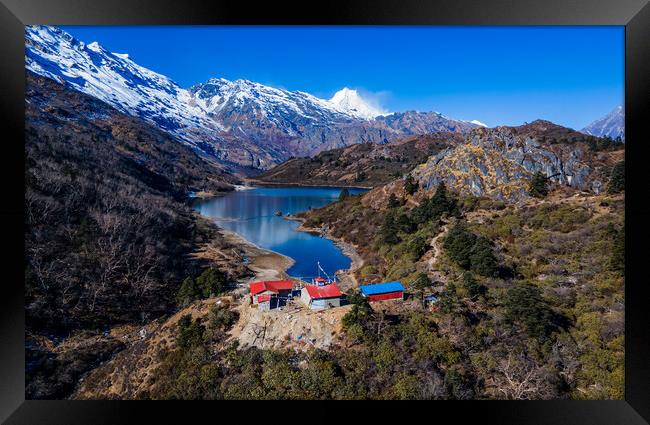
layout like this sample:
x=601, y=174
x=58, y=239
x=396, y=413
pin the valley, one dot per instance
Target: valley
x=150, y=208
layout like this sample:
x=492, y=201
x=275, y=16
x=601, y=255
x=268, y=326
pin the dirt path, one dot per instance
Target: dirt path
x=436, y=244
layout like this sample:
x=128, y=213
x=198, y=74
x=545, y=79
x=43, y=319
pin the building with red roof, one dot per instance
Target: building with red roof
x=263, y=291
x=319, y=297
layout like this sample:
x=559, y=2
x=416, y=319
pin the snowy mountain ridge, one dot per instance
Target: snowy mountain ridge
x=240, y=121
x=611, y=125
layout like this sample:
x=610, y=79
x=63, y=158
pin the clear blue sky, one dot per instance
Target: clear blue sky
x=498, y=75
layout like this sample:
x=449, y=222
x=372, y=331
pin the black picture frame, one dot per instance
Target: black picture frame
x=633, y=14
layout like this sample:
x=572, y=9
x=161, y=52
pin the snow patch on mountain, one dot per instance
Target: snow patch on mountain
x=479, y=123
x=350, y=102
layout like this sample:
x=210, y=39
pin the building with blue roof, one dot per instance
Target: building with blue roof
x=383, y=291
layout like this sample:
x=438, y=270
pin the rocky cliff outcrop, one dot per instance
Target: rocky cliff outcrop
x=499, y=162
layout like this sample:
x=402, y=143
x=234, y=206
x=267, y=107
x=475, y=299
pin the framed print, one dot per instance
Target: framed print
x=227, y=202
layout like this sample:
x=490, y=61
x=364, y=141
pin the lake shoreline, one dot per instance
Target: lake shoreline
x=348, y=249
x=265, y=263
x=248, y=222
x=261, y=183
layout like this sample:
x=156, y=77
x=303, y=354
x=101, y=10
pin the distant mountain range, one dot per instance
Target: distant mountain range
x=363, y=164
x=611, y=125
x=493, y=162
x=240, y=122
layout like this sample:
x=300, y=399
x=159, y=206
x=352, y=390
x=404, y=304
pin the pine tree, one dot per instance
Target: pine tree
x=617, y=180
x=410, y=185
x=211, y=282
x=525, y=305
x=617, y=260
x=473, y=288
x=420, y=283
x=458, y=245
x=393, y=202
x=389, y=230
x=188, y=292
x=344, y=194
x=190, y=333
x=441, y=203
x=482, y=259
x=538, y=186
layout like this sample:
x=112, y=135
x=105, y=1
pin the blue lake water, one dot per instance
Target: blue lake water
x=251, y=214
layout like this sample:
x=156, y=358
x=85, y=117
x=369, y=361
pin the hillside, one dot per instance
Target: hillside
x=530, y=306
x=500, y=162
x=531, y=295
x=365, y=164
x=107, y=229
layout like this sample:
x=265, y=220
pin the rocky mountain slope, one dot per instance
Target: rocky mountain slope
x=611, y=125
x=240, y=122
x=107, y=228
x=499, y=162
x=366, y=164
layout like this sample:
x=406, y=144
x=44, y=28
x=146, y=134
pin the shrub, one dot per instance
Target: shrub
x=393, y=202
x=617, y=260
x=389, y=229
x=417, y=246
x=473, y=288
x=360, y=313
x=221, y=318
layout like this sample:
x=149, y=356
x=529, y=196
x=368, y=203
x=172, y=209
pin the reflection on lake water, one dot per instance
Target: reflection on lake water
x=251, y=214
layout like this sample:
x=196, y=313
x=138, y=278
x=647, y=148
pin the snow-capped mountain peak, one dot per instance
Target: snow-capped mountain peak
x=349, y=101
x=611, y=125
x=235, y=121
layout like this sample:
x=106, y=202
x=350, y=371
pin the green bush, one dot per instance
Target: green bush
x=538, y=186
x=188, y=292
x=525, y=305
x=190, y=332
x=221, y=318
x=410, y=185
x=458, y=245
x=482, y=259
x=473, y=288
x=359, y=315
x=617, y=180
x=211, y=282
x=417, y=246
x=617, y=260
